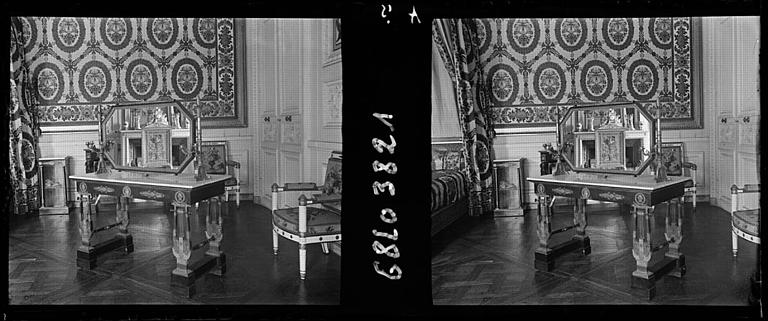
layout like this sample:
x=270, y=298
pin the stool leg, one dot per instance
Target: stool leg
x=302, y=261
x=238, y=198
x=274, y=242
x=734, y=242
x=325, y=248
x=226, y=196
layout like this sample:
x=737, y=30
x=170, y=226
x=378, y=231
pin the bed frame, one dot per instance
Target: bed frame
x=448, y=154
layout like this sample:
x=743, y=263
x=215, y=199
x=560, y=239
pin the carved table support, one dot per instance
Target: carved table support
x=123, y=219
x=213, y=260
x=580, y=220
x=213, y=231
x=182, y=246
x=641, y=240
x=85, y=223
x=644, y=277
x=88, y=252
x=674, y=234
x=544, y=256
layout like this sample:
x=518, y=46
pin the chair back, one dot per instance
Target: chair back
x=332, y=184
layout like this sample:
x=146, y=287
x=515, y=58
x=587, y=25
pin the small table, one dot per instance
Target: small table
x=184, y=193
x=643, y=193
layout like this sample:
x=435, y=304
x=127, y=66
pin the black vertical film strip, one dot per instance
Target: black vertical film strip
x=386, y=133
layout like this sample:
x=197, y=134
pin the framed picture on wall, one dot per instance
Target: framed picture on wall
x=215, y=157
x=672, y=158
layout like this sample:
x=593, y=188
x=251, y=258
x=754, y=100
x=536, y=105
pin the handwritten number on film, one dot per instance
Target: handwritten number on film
x=387, y=214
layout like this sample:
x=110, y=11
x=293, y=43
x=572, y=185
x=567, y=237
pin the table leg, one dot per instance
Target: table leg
x=182, y=248
x=123, y=218
x=85, y=257
x=213, y=226
x=642, y=277
x=580, y=220
x=543, y=261
x=674, y=235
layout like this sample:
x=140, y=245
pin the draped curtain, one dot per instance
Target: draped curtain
x=457, y=42
x=23, y=128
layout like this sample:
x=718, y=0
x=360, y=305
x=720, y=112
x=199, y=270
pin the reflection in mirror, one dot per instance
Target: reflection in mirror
x=154, y=137
x=610, y=138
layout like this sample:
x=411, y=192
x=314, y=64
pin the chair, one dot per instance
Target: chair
x=673, y=158
x=690, y=186
x=308, y=224
x=215, y=156
x=745, y=223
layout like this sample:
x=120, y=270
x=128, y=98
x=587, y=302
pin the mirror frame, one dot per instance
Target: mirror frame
x=652, y=127
x=192, y=127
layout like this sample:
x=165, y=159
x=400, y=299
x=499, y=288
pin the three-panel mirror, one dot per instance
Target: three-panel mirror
x=615, y=138
x=149, y=137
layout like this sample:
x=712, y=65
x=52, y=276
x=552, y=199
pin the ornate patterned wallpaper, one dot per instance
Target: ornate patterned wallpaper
x=537, y=66
x=81, y=63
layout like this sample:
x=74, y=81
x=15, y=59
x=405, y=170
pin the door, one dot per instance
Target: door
x=280, y=62
x=737, y=109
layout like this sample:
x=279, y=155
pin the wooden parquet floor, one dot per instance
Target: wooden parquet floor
x=42, y=269
x=490, y=261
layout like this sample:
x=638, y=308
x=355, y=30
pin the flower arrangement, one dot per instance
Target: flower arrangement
x=557, y=150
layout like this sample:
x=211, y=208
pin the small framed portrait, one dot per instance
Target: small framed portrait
x=672, y=155
x=610, y=149
x=214, y=157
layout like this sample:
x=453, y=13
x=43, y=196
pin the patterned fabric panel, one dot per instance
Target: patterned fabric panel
x=319, y=221
x=747, y=221
x=447, y=187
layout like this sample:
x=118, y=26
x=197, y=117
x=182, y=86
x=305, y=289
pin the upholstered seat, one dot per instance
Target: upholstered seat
x=745, y=223
x=309, y=222
x=320, y=221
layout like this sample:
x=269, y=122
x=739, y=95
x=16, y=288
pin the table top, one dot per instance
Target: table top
x=184, y=180
x=642, y=182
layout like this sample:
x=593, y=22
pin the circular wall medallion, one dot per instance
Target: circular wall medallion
x=68, y=33
x=141, y=79
x=540, y=189
x=660, y=30
x=28, y=155
x=83, y=188
x=585, y=193
x=596, y=80
x=187, y=78
x=523, y=35
x=484, y=34
x=618, y=33
x=29, y=31
x=504, y=84
x=571, y=33
x=640, y=199
x=549, y=82
x=162, y=32
x=116, y=32
x=482, y=157
x=50, y=82
x=95, y=81
x=126, y=191
x=179, y=197
x=204, y=30
x=642, y=79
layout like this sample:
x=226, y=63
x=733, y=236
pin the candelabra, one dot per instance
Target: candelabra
x=200, y=170
x=101, y=167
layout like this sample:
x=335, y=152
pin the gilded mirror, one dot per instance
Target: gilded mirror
x=149, y=137
x=616, y=138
